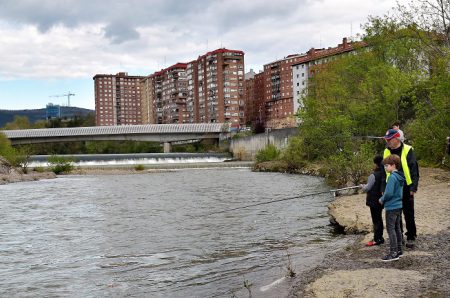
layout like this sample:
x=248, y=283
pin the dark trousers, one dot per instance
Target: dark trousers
x=393, y=220
x=377, y=221
x=408, y=212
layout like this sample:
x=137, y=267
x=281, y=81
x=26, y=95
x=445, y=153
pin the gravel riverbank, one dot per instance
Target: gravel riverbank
x=357, y=270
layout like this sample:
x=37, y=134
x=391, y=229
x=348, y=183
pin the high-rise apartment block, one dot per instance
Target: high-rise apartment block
x=279, y=97
x=255, y=111
x=209, y=89
x=285, y=81
x=307, y=66
x=213, y=88
x=117, y=99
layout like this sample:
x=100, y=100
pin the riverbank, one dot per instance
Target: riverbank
x=11, y=175
x=357, y=271
x=16, y=176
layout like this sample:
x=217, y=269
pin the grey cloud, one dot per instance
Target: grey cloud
x=118, y=32
x=122, y=17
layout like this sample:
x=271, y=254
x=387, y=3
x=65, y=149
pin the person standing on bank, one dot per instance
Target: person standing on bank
x=392, y=200
x=410, y=169
x=396, y=126
x=374, y=192
x=448, y=145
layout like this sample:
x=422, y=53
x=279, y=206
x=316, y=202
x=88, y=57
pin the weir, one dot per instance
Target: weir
x=112, y=160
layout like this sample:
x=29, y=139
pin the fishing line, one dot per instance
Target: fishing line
x=283, y=199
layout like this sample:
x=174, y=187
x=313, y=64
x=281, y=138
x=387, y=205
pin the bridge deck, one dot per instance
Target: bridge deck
x=116, y=130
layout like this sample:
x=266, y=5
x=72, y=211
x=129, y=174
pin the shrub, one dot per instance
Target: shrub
x=60, y=164
x=270, y=152
x=139, y=167
x=39, y=169
x=293, y=155
x=348, y=166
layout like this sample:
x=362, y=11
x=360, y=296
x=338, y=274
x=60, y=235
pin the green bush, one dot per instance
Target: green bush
x=270, y=152
x=17, y=157
x=293, y=155
x=348, y=166
x=139, y=167
x=60, y=164
x=39, y=169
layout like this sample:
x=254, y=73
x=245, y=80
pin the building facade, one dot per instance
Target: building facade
x=274, y=96
x=279, y=97
x=117, y=99
x=52, y=111
x=207, y=90
x=174, y=94
x=306, y=67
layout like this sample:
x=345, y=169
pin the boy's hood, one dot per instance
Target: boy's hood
x=399, y=175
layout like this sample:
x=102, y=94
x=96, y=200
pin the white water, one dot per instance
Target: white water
x=137, y=161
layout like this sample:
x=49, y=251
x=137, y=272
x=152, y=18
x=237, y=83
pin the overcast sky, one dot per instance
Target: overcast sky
x=50, y=47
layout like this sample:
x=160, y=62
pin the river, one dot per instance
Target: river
x=153, y=234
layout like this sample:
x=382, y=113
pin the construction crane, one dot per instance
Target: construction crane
x=68, y=94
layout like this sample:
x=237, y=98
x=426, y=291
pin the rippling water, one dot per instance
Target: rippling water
x=150, y=235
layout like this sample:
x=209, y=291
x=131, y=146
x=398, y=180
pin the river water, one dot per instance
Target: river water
x=153, y=235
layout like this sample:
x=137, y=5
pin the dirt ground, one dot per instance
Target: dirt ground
x=357, y=270
x=15, y=176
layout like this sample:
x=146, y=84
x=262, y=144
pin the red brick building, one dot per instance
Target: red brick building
x=279, y=106
x=117, y=99
x=255, y=101
x=284, y=82
x=209, y=89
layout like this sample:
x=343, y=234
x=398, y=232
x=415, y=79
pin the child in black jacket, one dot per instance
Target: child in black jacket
x=373, y=188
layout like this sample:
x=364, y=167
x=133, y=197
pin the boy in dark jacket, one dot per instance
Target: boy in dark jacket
x=392, y=200
x=374, y=190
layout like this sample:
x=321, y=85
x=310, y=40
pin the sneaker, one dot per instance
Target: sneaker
x=400, y=254
x=371, y=243
x=379, y=242
x=410, y=243
x=390, y=258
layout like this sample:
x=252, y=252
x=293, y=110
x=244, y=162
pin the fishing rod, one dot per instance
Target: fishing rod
x=283, y=199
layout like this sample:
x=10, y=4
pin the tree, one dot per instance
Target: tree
x=19, y=122
x=398, y=75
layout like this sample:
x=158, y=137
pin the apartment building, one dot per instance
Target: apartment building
x=279, y=94
x=307, y=66
x=254, y=98
x=117, y=99
x=192, y=100
x=209, y=89
x=284, y=82
x=174, y=93
x=221, y=87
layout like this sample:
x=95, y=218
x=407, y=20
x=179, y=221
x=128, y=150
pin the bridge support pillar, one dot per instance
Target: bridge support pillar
x=167, y=147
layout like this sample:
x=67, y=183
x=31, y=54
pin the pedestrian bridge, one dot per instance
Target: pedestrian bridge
x=162, y=133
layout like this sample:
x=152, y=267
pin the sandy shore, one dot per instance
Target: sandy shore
x=357, y=271
x=16, y=176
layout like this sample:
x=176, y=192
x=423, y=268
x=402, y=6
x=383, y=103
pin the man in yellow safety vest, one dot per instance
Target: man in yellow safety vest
x=410, y=169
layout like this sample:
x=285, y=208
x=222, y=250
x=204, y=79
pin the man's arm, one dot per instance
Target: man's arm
x=413, y=170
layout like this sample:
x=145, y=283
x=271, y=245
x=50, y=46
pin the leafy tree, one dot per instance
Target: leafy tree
x=19, y=122
x=402, y=73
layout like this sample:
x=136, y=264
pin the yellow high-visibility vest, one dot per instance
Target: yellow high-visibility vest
x=404, y=162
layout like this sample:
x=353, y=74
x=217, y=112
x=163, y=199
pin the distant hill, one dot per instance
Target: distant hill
x=39, y=114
